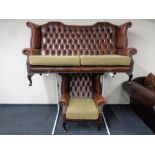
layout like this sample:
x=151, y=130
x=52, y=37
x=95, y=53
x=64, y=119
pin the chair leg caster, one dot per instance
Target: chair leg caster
x=65, y=131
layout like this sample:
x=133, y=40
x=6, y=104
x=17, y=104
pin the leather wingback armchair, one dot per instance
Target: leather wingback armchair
x=81, y=98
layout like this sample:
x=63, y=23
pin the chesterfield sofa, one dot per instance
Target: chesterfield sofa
x=142, y=99
x=59, y=48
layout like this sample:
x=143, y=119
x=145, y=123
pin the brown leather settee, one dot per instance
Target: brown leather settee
x=142, y=100
x=105, y=41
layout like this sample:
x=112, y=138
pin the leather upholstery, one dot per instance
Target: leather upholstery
x=59, y=39
x=55, y=38
x=80, y=85
x=142, y=100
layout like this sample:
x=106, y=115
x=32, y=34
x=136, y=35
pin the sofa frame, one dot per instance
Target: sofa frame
x=56, y=38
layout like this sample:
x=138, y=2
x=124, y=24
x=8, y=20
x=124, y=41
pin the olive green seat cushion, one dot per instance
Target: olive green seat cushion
x=54, y=60
x=105, y=60
x=84, y=108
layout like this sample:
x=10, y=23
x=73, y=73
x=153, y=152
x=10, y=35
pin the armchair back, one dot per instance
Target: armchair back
x=81, y=85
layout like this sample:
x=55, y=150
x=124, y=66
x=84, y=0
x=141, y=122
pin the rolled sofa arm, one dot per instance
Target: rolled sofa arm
x=127, y=51
x=31, y=51
x=140, y=93
x=99, y=100
x=64, y=99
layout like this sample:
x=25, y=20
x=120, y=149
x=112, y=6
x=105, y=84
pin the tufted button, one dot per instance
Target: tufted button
x=64, y=40
x=52, y=52
x=48, y=41
x=58, y=52
x=56, y=46
x=53, y=41
x=69, y=52
x=62, y=35
x=50, y=46
x=59, y=29
x=48, y=29
x=59, y=41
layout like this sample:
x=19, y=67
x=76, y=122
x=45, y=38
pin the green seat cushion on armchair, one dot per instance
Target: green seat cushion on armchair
x=82, y=108
x=54, y=60
x=105, y=60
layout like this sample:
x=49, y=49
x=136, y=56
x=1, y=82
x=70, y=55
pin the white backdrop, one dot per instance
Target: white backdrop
x=15, y=35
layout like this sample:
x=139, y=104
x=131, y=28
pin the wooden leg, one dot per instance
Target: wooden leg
x=64, y=126
x=130, y=77
x=29, y=76
x=99, y=127
x=114, y=74
x=100, y=123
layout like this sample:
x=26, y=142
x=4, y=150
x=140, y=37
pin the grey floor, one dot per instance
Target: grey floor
x=39, y=120
x=27, y=119
x=122, y=120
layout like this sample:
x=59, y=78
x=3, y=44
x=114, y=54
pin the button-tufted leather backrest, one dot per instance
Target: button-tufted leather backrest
x=81, y=85
x=60, y=39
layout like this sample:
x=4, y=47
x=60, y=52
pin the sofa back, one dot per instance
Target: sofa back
x=55, y=38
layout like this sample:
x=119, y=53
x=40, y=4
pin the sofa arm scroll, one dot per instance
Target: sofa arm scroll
x=31, y=51
x=127, y=51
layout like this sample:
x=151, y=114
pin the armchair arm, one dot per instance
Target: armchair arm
x=127, y=51
x=64, y=99
x=99, y=100
x=31, y=51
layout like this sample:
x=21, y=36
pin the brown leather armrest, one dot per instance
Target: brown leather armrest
x=31, y=51
x=64, y=99
x=127, y=51
x=140, y=93
x=99, y=100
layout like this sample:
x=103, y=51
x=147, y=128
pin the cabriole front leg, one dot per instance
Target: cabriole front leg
x=130, y=77
x=64, y=126
x=29, y=76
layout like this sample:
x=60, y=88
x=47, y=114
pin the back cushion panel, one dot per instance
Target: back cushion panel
x=81, y=85
x=60, y=39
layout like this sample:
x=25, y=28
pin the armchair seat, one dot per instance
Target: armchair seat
x=105, y=60
x=55, y=60
x=82, y=108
